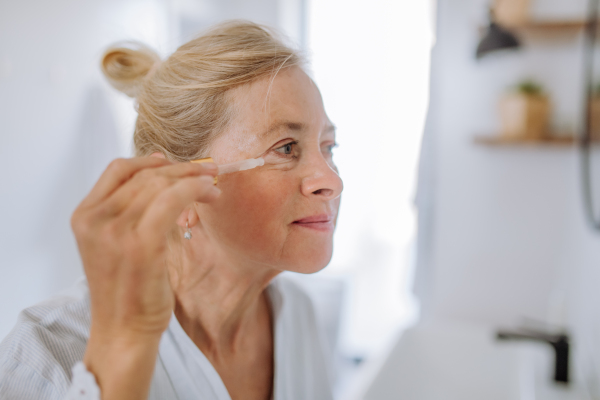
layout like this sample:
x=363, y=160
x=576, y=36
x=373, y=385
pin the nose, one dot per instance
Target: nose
x=321, y=179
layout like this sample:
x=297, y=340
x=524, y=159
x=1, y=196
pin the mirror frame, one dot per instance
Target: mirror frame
x=585, y=140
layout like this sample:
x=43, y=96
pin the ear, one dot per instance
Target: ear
x=188, y=215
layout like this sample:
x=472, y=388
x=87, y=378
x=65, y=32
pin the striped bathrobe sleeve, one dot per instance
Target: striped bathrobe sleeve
x=37, y=356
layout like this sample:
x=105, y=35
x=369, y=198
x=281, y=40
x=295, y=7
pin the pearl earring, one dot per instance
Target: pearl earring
x=188, y=234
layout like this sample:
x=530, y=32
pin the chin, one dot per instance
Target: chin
x=307, y=251
x=311, y=262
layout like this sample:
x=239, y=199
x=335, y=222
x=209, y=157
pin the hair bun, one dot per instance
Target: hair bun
x=126, y=64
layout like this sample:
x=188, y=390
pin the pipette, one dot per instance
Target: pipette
x=236, y=166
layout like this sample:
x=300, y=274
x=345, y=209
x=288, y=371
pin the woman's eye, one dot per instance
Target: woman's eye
x=331, y=147
x=286, y=149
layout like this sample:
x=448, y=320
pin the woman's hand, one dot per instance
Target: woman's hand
x=121, y=230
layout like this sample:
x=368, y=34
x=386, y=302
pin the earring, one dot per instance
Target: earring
x=188, y=234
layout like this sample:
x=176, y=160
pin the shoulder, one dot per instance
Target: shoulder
x=48, y=339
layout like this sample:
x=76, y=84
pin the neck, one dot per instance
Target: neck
x=218, y=301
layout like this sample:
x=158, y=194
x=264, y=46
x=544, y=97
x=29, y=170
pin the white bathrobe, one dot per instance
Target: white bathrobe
x=37, y=357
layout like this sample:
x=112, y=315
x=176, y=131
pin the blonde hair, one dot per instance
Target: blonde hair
x=182, y=102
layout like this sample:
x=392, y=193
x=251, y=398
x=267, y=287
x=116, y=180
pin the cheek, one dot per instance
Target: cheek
x=252, y=215
x=251, y=220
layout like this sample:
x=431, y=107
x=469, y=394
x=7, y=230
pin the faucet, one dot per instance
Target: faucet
x=559, y=342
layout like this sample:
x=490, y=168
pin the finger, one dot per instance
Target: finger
x=148, y=182
x=184, y=169
x=137, y=206
x=162, y=212
x=118, y=172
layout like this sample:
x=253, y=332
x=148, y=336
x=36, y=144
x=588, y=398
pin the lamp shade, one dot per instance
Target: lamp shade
x=496, y=38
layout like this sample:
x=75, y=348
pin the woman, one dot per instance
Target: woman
x=204, y=318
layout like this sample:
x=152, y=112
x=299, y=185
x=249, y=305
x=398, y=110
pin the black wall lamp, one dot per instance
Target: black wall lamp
x=496, y=38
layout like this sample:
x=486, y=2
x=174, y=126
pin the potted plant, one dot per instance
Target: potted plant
x=525, y=112
x=512, y=13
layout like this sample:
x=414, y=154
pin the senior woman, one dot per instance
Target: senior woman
x=183, y=298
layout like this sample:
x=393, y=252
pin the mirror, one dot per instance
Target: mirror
x=590, y=139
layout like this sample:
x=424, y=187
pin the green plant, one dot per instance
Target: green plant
x=530, y=87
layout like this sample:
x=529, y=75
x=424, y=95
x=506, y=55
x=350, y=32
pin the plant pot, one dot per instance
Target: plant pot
x=511, y=13
x=525, y=116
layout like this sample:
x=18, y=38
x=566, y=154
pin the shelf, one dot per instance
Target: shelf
x=550, y=26
x=546, y=28
x=496, y=140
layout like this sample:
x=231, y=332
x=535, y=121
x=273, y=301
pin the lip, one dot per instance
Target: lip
x=319, y=222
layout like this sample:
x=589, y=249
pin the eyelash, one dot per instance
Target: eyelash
x=285, y=145
x=330, y=147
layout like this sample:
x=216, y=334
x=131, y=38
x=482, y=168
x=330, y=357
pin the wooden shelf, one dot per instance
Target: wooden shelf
x=544, y=28
x=551, y=26
x=498, y=140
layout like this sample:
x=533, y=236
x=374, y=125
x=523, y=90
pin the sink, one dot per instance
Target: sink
x=449, y=361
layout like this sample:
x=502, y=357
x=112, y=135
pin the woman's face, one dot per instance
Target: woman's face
x=281, y=215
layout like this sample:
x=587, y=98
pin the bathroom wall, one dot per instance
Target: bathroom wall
x=504, y=240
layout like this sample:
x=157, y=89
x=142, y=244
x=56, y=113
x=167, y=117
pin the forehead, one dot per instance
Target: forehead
x=266, y=108
x=290, y=100
x=289, y=126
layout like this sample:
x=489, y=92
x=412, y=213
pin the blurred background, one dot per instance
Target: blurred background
x=464, y=264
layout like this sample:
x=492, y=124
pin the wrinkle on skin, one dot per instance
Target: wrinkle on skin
x=241, y=241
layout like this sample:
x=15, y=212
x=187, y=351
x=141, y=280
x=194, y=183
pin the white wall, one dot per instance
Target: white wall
x=502, y=236
x=505, y=216
x=508, y=241
x=374, y=81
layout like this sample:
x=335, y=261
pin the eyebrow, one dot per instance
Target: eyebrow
x=292, y=126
